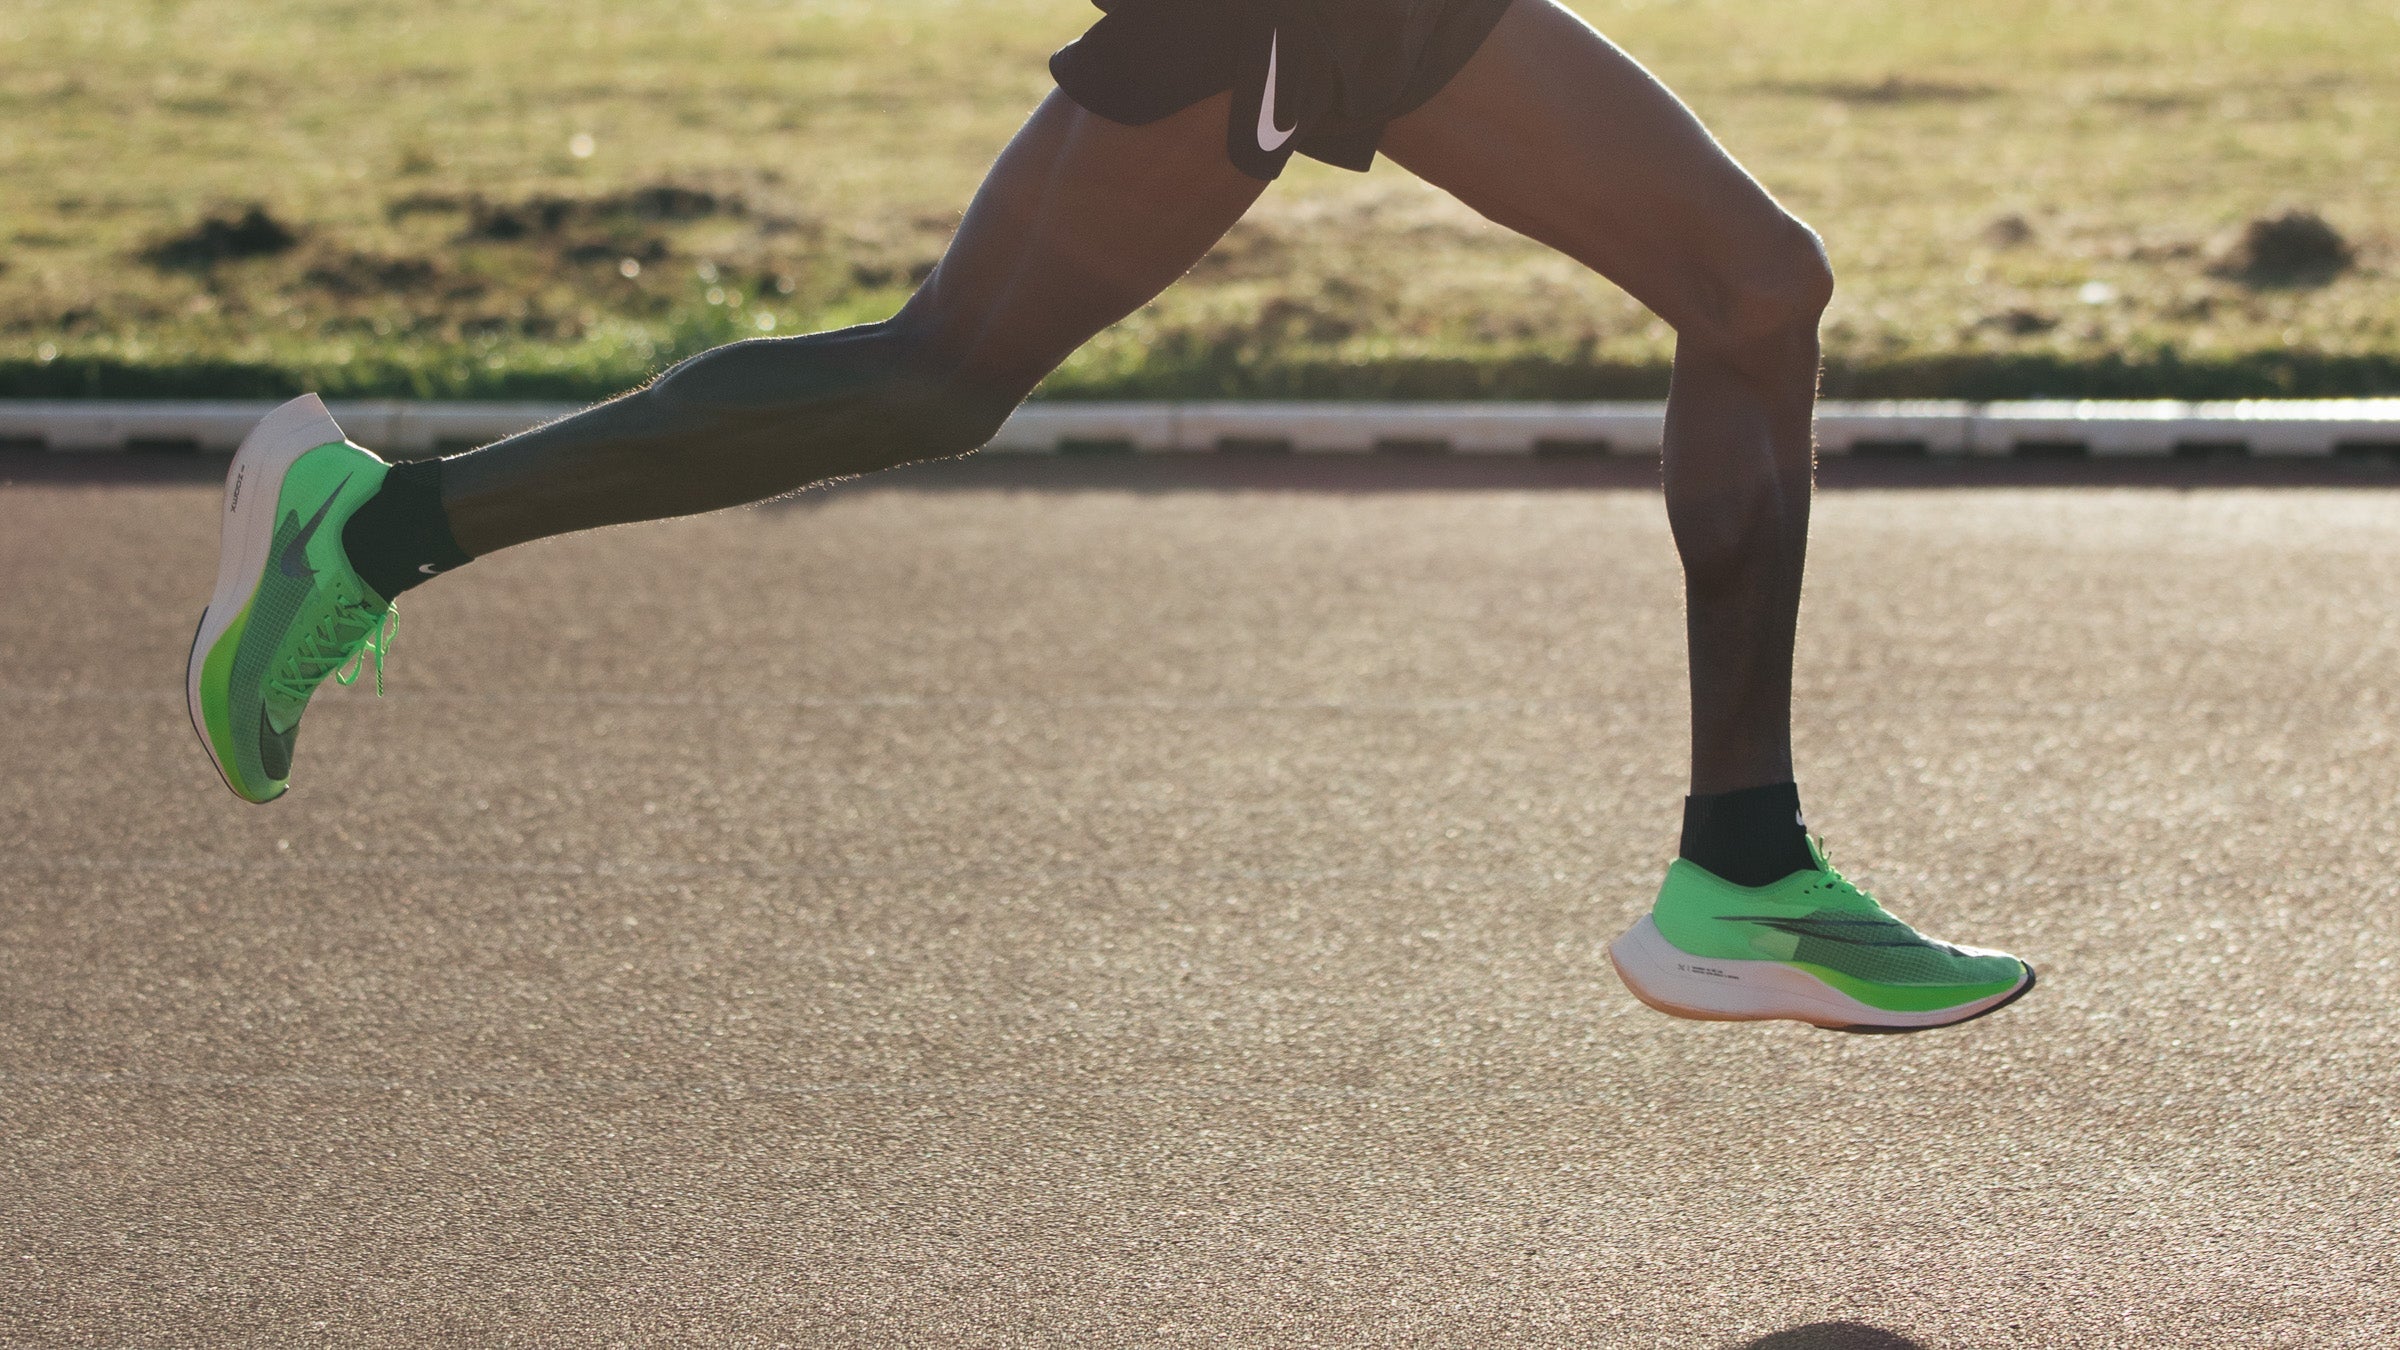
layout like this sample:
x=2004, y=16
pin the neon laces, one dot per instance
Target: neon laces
x=338, y=646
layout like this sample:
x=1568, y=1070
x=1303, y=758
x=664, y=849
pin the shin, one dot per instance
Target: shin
x=737, y=424
x=1739, y=465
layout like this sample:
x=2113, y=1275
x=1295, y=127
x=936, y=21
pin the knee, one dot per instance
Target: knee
x=947, y=413
x=934, y=405
x=1763, y=306
x=1785, y=286
x=922, y=413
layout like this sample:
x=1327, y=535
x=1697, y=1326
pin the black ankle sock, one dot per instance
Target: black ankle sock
x=1749, y=836
x=400, y=537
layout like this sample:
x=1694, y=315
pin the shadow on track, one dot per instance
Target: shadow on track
x=1833, y=1336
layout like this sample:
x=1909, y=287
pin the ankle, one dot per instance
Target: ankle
x=1751, y=836
x=400, y=538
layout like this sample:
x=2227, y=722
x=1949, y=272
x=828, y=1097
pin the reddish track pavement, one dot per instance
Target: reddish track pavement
x=1006, y=914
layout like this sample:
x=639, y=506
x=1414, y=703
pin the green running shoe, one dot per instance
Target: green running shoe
x=288, y=610
x=1812, y=948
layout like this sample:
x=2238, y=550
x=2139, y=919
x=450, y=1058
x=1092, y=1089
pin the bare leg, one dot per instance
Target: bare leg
x=1553, y=132
x=1080, y=222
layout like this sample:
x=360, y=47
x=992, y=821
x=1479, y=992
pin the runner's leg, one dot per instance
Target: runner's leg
x=1080, y=222
x=1553, y=132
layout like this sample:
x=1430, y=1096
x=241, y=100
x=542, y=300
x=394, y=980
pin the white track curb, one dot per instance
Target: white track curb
x=2096, y=428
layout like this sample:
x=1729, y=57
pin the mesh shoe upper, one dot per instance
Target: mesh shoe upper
x=309, y=615
x=1822, y=921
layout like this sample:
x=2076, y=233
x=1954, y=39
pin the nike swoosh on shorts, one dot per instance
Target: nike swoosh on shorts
x=1270, y=136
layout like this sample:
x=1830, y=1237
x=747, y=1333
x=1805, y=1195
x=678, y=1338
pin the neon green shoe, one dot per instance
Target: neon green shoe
x=288, y=610
x=1811, y=948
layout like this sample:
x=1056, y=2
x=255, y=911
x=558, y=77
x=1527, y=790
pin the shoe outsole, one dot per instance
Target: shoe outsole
x=2012, y=996
x=1680, y=985
x=247, y=532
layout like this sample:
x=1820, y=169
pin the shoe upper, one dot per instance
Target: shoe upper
x=308, y=617
x=1819, y=920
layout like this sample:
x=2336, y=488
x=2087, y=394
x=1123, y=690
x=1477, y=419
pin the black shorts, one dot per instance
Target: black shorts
x=1342, y=68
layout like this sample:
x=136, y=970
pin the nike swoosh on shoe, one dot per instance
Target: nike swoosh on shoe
x=294, y=558
x=1858, y=932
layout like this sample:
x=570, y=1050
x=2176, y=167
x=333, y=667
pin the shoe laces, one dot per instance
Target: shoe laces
x=339, y=645
x=1834, y=880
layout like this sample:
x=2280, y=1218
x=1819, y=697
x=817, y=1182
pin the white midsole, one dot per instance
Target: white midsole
x=253, y=484
x=1673, y=980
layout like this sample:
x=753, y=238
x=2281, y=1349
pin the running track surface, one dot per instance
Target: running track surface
x=1025, y=906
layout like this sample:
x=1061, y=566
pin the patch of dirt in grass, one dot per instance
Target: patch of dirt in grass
x=547, y=214
x=254, y=233
x=345, y=272
x=644, y=250
x=623, y=232
x=2297, y=248
x=1285, y=319
x=2018, y=321
x=2158, y=100
x=508, y=222
x=2009, y=231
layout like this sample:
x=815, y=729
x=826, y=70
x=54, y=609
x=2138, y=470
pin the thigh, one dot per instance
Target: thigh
x=1080, y=222
x=1553, y=132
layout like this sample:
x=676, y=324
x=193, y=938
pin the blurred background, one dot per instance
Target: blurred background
x=241, y=198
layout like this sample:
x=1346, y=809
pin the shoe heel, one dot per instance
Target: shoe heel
x=1681, y=985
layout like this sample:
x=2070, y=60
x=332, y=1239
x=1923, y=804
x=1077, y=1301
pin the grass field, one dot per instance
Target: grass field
x=2022, y=197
